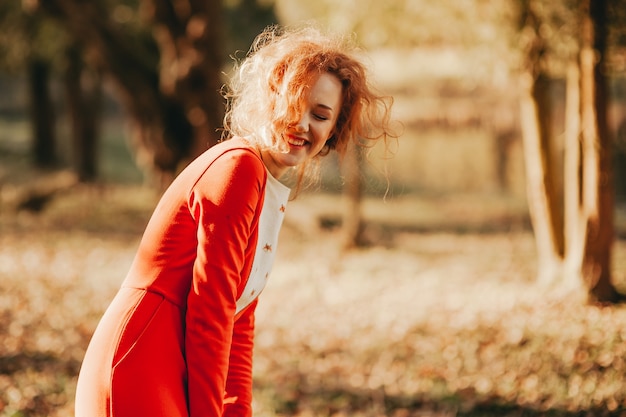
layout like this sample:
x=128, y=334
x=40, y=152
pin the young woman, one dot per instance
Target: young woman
x=177, y=339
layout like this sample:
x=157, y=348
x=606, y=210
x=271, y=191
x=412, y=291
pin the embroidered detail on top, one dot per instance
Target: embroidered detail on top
x=270, y=219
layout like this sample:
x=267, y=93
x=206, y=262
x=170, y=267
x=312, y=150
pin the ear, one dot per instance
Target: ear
x=328, y=146
x=331, y=135
x=331, y=142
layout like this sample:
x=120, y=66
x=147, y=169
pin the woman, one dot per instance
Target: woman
x=177, y=339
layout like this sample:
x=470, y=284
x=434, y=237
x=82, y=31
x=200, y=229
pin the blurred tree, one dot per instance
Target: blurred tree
x=353, y=225
x=543, y=176
x=83, y=91
x=42, y=113
x=27, y=45
x=596, y=202
x=165, y=60
x=31, y=40
x=570, y=189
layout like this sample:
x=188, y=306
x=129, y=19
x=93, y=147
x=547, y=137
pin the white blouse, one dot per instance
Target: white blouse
x=270, y=221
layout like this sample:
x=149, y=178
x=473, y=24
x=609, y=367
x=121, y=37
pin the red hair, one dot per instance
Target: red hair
x=268, y=85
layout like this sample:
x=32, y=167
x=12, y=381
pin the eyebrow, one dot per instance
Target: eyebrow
x=324, y=106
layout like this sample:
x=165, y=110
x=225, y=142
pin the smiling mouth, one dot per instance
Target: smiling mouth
x=295, y=141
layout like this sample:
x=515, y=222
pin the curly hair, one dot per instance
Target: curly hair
x=268, y=86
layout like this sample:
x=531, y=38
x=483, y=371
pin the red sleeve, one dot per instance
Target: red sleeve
x=224, y=204
x=238, y=402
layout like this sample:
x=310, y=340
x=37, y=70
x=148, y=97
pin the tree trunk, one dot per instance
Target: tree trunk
x=597, y=179
x=84, y=98
x=536, y=132
x=189, y=36
x=42, y=114
x=352, y=222
x=574, y=226
x=584, y=238
x=548, y=259
x=551, y=157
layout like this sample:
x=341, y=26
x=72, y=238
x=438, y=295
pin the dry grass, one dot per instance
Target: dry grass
x=434, y=321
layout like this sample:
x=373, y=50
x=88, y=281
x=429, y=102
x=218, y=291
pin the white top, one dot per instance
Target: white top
x=270, y=221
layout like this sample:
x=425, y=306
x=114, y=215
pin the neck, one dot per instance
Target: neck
x=270, y=164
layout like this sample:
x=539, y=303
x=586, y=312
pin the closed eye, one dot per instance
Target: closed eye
x=322, y=112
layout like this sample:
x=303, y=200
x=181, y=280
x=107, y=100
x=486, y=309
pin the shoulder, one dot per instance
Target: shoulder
x=231, y=155
x=235, y=149
x=233, y=167
x=236, y=156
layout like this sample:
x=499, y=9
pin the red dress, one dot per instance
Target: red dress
x=177, y=339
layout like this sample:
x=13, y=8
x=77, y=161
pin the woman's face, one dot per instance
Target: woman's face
x=306, y=138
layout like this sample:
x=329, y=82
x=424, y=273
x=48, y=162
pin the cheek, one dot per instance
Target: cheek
x=324, y=135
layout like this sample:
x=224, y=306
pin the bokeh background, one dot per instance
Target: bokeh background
x=439, y=275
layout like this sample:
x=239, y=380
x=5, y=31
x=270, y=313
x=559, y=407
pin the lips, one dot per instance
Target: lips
x=295, y=141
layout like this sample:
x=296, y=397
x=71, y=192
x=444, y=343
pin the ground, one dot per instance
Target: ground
x=440, y=316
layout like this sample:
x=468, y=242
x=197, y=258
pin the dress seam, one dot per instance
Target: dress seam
x=165, y=296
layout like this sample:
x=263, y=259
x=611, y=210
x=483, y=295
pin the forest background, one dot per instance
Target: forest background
x=439, y=300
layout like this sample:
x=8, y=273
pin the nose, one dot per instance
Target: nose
x=303, y=125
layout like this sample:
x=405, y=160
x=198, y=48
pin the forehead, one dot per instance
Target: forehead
x=326, y=89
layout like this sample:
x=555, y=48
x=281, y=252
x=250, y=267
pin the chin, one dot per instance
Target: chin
x=291, y=161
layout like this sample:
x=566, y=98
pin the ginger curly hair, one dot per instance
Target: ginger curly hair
x=265, y=92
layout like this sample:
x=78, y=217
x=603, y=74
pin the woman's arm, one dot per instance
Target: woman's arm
x=238, y=401
x=225, y=204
